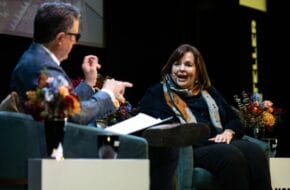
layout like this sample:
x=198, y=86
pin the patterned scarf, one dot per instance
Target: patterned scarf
x=171, y=93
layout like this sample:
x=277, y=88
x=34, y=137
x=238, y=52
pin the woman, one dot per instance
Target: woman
x=186, y=93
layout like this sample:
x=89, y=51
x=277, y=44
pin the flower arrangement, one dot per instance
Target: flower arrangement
x=125, y=111
x=53, y=98
x=255, y=113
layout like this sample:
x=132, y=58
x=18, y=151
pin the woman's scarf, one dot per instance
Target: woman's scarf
x=171, y=93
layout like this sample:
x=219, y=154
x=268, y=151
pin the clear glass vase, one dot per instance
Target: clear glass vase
x=259, y=132
x=108, y=146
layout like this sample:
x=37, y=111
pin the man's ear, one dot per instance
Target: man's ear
x=59, y=37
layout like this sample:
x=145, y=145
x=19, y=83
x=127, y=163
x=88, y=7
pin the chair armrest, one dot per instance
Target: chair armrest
x=80, y=141
x=265, y=146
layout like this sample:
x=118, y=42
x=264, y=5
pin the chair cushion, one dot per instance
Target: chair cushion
x=203, y=179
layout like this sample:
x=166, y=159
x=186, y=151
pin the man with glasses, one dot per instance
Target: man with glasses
x=77, y=35
x=56, y=31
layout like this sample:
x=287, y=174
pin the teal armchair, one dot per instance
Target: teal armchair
x=195, y=178
x=22, y=138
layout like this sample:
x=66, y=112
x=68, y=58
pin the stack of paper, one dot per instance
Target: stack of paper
x=136, y=123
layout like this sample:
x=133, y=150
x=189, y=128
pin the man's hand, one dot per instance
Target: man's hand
x=90, y=68
x=117, y=88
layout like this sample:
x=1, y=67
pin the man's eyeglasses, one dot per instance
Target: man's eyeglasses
x=77, y=35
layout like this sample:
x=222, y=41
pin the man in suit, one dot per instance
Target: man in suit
x=56, y=30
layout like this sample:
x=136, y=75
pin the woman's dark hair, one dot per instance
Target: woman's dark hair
x=201, y=71
x=52, y=18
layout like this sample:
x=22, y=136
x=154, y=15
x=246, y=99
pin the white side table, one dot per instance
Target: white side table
x=280, y=175
x=88, y=174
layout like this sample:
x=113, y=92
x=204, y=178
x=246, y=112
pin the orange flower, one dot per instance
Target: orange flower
x=31, y=95
x=268, y=119
x=63, y=91
x=42, y=80
x=73, y=104
x=53, y=98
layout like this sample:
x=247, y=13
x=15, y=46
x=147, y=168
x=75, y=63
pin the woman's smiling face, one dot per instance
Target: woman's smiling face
x=183, y=71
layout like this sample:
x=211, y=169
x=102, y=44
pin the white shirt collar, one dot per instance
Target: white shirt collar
x=53, y=57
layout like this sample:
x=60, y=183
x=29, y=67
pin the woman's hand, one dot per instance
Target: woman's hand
x=225, y=137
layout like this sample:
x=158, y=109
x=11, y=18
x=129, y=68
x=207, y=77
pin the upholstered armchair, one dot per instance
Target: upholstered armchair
x=195, y=178
x=22, y=138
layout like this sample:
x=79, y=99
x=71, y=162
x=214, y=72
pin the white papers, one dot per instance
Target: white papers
x=136, y=123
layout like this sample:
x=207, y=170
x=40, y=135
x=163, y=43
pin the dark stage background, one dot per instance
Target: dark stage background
x=140, y=36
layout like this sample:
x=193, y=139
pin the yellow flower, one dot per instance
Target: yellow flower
x=268, y=119
x=31, y=95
